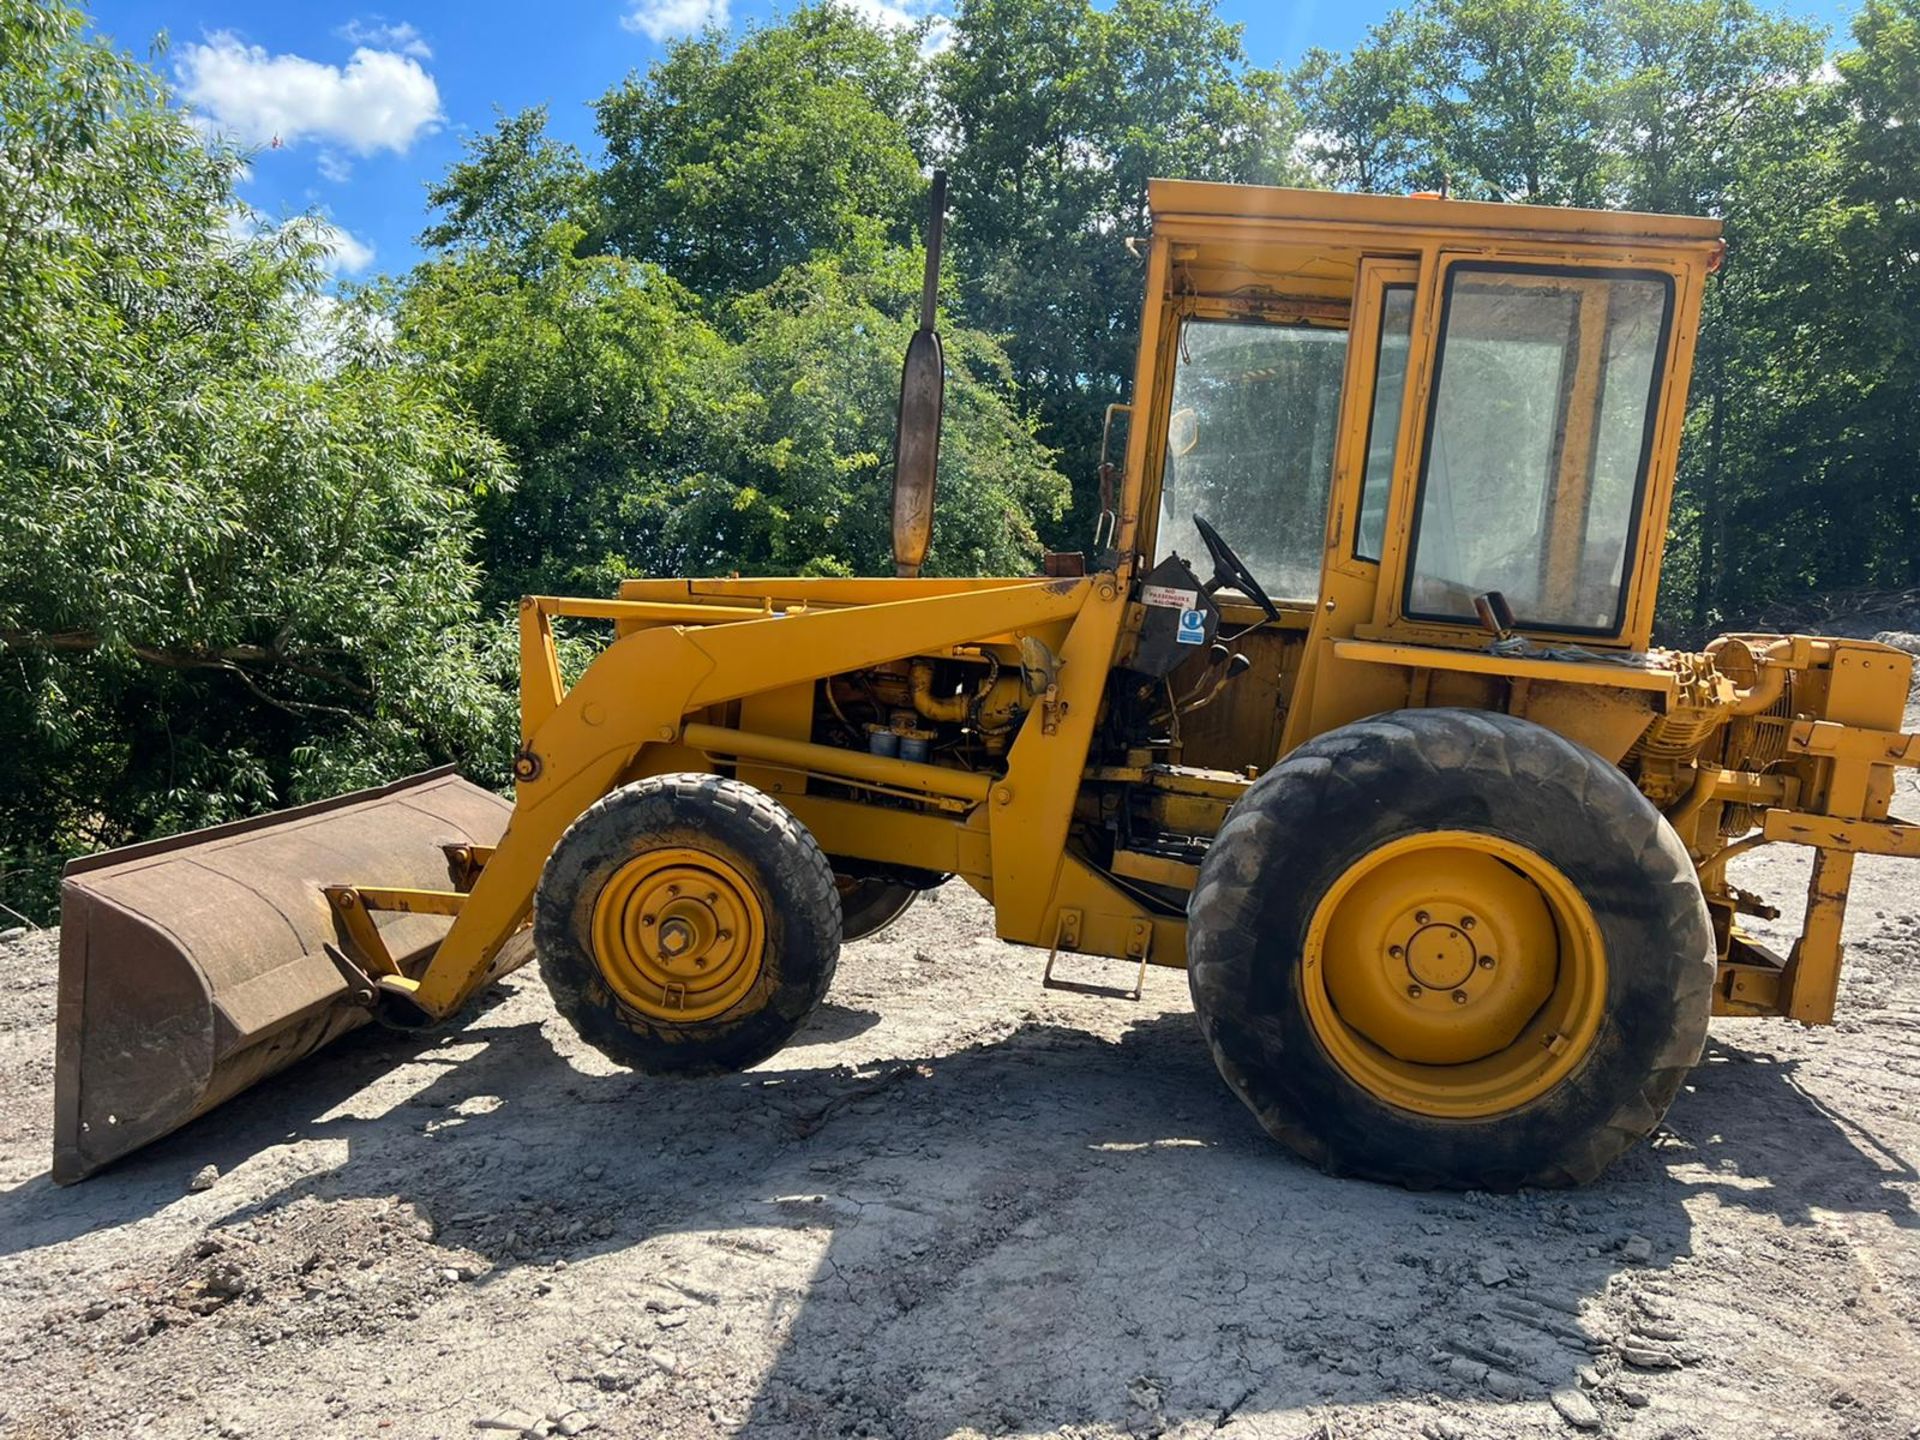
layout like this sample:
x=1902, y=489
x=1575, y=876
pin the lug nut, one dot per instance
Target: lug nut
x=1421, y=917
x=1395, y=951
x=1467, y=922
x=1414, y=992
x=1459, y=997
x=646, y=919
x=1486, y=962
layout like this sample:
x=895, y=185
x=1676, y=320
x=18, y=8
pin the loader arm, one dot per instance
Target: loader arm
x=638, y=694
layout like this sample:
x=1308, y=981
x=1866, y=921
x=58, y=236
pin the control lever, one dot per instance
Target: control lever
x=1216, y=657
x=1236, y=666
x=1496, y=616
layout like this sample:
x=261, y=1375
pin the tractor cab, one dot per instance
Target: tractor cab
x=1400, y=421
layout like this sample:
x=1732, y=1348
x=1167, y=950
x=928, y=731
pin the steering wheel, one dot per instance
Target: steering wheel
x=1230, y=569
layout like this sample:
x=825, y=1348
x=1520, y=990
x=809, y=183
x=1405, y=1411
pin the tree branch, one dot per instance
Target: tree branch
x=230, y=657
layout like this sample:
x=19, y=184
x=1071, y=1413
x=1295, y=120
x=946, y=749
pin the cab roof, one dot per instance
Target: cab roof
x=1206, y=200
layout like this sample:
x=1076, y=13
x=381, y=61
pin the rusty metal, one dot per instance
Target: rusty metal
x=916, y=442
x=193, y=967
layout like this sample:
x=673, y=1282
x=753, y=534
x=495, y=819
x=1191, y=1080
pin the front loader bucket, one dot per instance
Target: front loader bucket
x=194, y=966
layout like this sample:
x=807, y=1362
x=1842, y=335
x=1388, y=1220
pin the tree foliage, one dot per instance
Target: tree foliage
x=234, y=534
x=256, y=536
x=1056, y=114
x=727, y=164
x=657, y=432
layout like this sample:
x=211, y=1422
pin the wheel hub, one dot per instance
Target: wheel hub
x=1440, y=957
x=678, y=934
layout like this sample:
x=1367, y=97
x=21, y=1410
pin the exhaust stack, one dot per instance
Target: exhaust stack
x=916, y=440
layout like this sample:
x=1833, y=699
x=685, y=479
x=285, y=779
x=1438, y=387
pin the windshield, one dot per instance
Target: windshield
x=1250, y=447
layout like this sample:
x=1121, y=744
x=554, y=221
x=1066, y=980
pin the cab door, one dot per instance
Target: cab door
x=1254, y=425
x=1534, y=454
x=1385, y=370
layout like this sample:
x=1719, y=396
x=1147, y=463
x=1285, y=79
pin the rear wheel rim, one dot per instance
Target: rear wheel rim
x=678, y=935
x=1454, y=974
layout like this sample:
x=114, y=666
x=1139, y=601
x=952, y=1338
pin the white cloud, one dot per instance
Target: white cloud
x=670, y=19
x=902, y=15
x=380, y=100
x=334, y=166
x=939, y=36
x=346, y=254
x=879, y=13
x=376, y=33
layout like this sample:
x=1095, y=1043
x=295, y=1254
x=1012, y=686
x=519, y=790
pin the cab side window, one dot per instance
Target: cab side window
x=1383, y=423
x=1250, y=441
x=1538, y=440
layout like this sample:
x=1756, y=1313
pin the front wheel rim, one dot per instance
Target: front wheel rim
x=678, y=935
x=1454, y=974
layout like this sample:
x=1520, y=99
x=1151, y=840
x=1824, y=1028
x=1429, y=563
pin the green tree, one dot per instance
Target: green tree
x=1708, y=113
x=515, y=184
x=1513, y=87
x=233, y=532
x=603, y=381
x=655, y=435
x=727, y=163
x=1057, y=114
x=1688, y=83
x=1877, y=238
x=713, y=388
x=816, y=384
x=1362, y=123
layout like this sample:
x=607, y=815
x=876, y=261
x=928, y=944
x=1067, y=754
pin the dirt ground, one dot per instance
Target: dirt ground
x=960, y=1204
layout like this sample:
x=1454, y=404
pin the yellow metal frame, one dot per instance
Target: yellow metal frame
x=631, y=714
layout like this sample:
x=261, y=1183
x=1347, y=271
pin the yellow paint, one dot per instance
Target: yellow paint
x=1155, y=870
x=1656, y=678
x=1454, y=974
x=802, y=757
x=643, y=686
x=678, y=935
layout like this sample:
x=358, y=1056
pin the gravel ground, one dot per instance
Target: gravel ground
x=960, y=1205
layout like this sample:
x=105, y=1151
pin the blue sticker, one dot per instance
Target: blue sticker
x=1193, y=627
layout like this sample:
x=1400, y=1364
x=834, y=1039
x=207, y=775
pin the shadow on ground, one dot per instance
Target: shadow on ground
x=1748, y=1130
x=1044, y=1229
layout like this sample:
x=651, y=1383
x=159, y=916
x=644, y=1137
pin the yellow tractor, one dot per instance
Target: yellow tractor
x=1352, y=710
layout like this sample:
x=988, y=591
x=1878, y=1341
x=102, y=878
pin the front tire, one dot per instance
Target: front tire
x=1449, y=948
x=687, y=924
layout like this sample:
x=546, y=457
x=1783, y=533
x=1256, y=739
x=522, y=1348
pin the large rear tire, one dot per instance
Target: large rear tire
x=1448, y=948
x=687, y=924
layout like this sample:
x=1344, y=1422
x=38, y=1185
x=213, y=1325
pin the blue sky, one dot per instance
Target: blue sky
x=369, y=105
